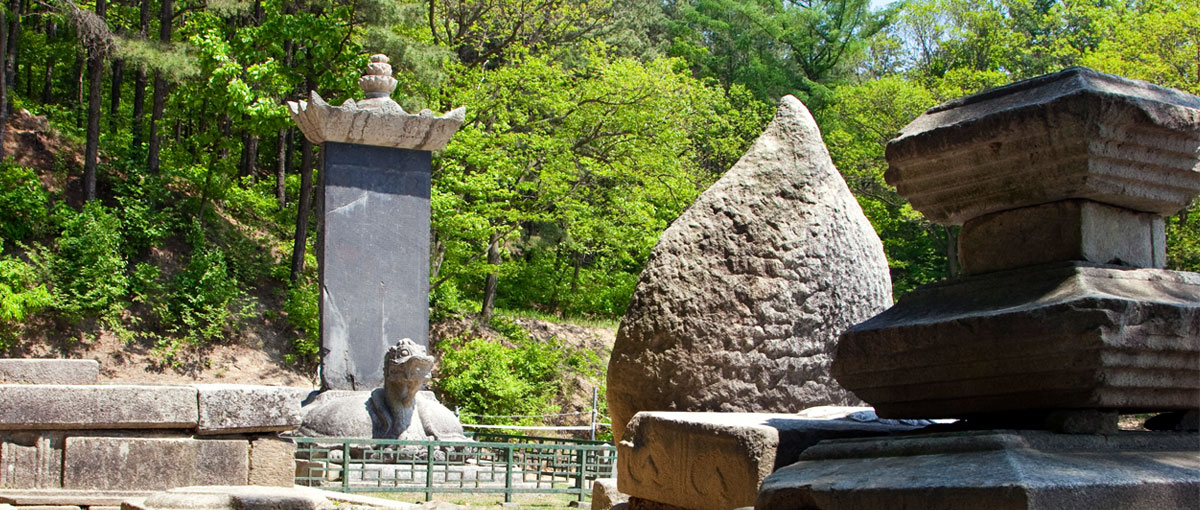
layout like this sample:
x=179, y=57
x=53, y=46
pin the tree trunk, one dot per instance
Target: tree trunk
x=156, y=115
x=3, y=85
x=48, y=84
x=139, y=81
x=81, y=70
x=249, y=154
x=14, y=41
x=304, y=207
x=118, y=79
x=281, y=169
x=225, y=125
x=95, y=77
x=165, y=16
x=489, y=285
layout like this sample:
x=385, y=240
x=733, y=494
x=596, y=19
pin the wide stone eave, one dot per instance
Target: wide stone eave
x=375, y=121
x=1168, y=108
x=1059, y=336
x=1077, y=134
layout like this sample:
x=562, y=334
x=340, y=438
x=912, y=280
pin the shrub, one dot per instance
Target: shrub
x=304, y=315
x=88, y=269
x=20, y=297
x=206, y=299
x=519, y=375
x=22, y=202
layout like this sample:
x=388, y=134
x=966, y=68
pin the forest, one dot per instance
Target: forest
x=181, y=202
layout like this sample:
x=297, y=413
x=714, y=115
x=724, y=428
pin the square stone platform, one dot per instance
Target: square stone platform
x=993, y=470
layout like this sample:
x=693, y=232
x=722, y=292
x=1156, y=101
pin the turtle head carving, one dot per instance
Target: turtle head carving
x=407, y=365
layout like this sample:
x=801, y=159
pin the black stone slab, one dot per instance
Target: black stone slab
x=373, y=248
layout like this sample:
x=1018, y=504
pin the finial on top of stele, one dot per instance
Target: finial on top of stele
x=376, y=120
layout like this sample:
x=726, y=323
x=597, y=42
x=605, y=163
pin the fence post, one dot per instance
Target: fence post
x=595, y=401
x=508, y=471
x=346, y=465
x=429, y=472
x=581, y=459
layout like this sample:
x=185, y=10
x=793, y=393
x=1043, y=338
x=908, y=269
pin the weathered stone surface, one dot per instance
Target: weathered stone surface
x=1073, y=134
x=232, y=408
x=121, y=463
x=49, y=371
x=91, y=499
x=992, y=470
x=31, y=460
x=376, y=120
x=51, y=407
x=716, y=461
x=636, y=503
x=1060, y=336
x=1061, y=231
x=605, y=495
x=398, y=410
x=374, y=253
x=231, y=498
x=744, y=295
x=340, y=498
x=272, y=462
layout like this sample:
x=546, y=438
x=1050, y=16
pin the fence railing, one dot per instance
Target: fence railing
x=494, y=463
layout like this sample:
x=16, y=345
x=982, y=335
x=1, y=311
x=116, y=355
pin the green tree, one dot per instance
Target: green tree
x=856, y=125
x=774, y=47
x=574, y=171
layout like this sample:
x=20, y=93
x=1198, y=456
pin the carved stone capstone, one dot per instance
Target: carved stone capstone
x=376, y=120
x=398, y=410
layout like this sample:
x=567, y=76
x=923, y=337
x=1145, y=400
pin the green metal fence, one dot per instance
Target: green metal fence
x=494, y=463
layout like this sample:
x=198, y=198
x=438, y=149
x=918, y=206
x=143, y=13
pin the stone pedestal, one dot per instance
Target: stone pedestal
x=716, y=461
x=1060, y=184
x=373, y=242
x=992, y=470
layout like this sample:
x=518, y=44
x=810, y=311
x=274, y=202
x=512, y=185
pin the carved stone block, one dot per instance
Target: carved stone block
x=230, y=408
x=1061, y=336
x=127, y=463
x=49, y=371
x=1072, y=134
x=716, y=461
x=53, y=407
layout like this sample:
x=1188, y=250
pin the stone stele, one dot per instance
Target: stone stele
x=743, y=297
x=373, y=244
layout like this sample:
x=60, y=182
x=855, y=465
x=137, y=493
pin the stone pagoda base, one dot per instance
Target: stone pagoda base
x=993, y=469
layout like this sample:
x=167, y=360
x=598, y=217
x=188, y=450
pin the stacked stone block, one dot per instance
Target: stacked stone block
x=127, y=437
x=1063, y=319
